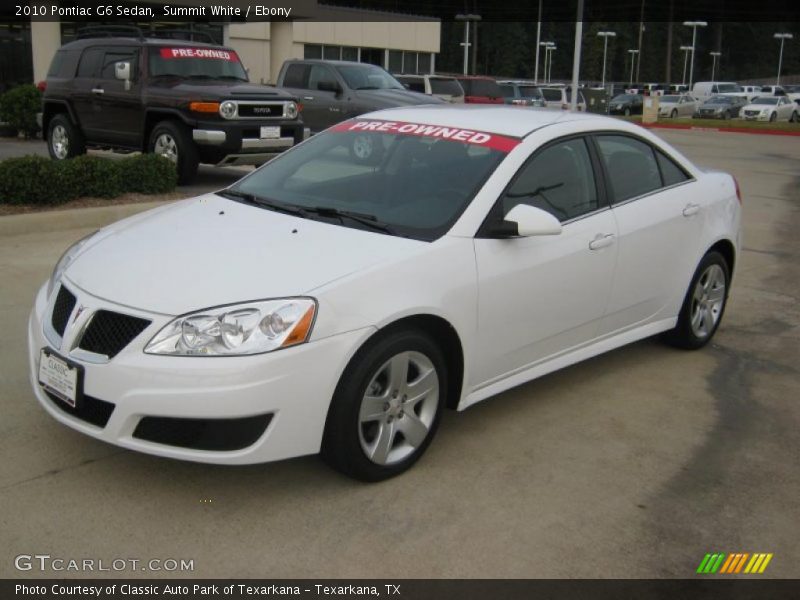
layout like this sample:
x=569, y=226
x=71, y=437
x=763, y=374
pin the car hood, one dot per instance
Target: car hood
x=393, y=98
x=209, y=251
x=211, y=89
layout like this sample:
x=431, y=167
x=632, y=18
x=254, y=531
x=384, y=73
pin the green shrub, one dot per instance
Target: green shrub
x=39, y=180
x=19, y=107
x=148, y=174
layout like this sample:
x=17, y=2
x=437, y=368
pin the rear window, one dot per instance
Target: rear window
x=481, y=87
x=295, y=76
x=528, y=91
x=449, y=87
x=507, y=91
x=552, y=95
x=55, y=66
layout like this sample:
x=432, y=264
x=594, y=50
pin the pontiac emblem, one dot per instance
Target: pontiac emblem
x=78, y=313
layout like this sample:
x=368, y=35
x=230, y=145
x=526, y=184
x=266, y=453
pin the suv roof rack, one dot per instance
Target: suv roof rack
x=99, y=31
x=188, y=35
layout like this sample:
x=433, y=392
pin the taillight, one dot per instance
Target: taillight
x=738, y=191
x=41, y=86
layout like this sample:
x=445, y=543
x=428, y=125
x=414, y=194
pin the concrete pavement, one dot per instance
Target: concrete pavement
x=633, y=464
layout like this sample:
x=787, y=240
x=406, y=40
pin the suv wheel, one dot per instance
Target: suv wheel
x=171, y=140
x=63, y=138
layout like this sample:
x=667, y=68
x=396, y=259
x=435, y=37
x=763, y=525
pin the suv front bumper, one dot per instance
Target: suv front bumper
x=240, y=143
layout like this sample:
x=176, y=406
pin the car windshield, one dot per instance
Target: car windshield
x=449, y=87
x=720, y=100
x=792, y=89
x=507, y=91
x=764, y=100
x=623, y=98
x=529, y=91
x=670, y=98
x=196, y=63
x=368, y=77
x=727, y=88
x=413, y=184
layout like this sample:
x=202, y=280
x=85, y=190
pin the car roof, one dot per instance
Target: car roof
x=502, y=120
x=127, y=41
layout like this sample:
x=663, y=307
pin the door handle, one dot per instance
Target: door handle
x=98, y=90
x=601, y=241
x=308, y=97
x=691, y=209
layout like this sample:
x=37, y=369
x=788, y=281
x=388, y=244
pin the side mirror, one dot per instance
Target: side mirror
x=531, y=221
x=329, y=86
x=122, y=70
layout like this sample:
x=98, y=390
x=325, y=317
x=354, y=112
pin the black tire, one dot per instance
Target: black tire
x=366, y=149
x=61, y=125
x=683, y=335
x=185, y=154
x=794, y=118
x=773, y=117
x=726, y=115
x=342, y=441
x=627, y=112
x=673, y=114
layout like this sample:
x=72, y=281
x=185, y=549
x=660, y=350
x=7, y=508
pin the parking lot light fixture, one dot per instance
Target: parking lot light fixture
x=694, y=25
x=605, y=35
x=466, y=44
x=633, y=53
x=782, y=37
x=551, y=49
x=714, y=56
x=686, y=50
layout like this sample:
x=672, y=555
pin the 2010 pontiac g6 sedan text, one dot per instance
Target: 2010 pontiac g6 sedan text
x=337, y=301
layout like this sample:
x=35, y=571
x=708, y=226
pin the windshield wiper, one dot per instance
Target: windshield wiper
x=261, y=201
x=368, y=87
x=362, y=218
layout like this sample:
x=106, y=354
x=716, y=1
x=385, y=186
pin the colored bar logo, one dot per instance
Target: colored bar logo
x=734, y=563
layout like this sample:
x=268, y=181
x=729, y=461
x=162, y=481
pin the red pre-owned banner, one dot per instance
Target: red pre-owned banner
x=455, y=134
x=211, y=53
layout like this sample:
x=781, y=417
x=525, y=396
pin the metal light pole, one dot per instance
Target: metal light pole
x=465, y=43
x=715, y=56
x=633, y=54
x=551, y=49
x=605, y=35
x=694, y=25
x=538, y=43
x=782, y=37
x=686, y=50
x=576, y=57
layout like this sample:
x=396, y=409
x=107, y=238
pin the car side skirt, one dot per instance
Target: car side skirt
x=566, y=359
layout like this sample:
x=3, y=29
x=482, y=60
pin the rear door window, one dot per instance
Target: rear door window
x=91, y=61
x=296, y=76
x=631, y=166
x=111, y=57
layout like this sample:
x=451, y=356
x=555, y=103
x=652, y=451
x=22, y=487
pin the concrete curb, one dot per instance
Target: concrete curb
x=76, y=218
x=720, y=129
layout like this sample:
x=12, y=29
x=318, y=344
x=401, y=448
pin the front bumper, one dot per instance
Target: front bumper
x=293, y=387
x=240, y=142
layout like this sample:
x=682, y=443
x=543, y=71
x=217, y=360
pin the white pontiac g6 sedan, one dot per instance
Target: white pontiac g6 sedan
x=338, y=302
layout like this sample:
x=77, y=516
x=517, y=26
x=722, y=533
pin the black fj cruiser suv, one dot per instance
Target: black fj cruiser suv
x=185, y=100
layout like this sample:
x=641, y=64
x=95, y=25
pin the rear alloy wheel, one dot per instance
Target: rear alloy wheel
x=704, y=304
x=63, y=138
x=171, y=141
x=386, y=408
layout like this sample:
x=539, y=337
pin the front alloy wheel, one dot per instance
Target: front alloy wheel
x=166, y=147
x=387, y=406
x=398, y=408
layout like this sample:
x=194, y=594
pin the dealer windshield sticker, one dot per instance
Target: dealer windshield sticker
x=211, y=53
x=456, y=134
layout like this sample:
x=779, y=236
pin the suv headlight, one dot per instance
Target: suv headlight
x=66, y=260
x=236, y=330
x=290, y=110
x=227, y=109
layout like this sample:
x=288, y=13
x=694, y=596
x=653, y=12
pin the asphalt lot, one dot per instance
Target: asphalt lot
x=633, y=464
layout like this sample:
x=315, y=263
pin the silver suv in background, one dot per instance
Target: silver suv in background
x=440, y=86
x=560, y=97
x=521, y=93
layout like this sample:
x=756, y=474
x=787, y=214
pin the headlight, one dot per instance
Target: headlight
x=66, y=260
x=227, y=109
x=290, y=110
x=250, y=328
